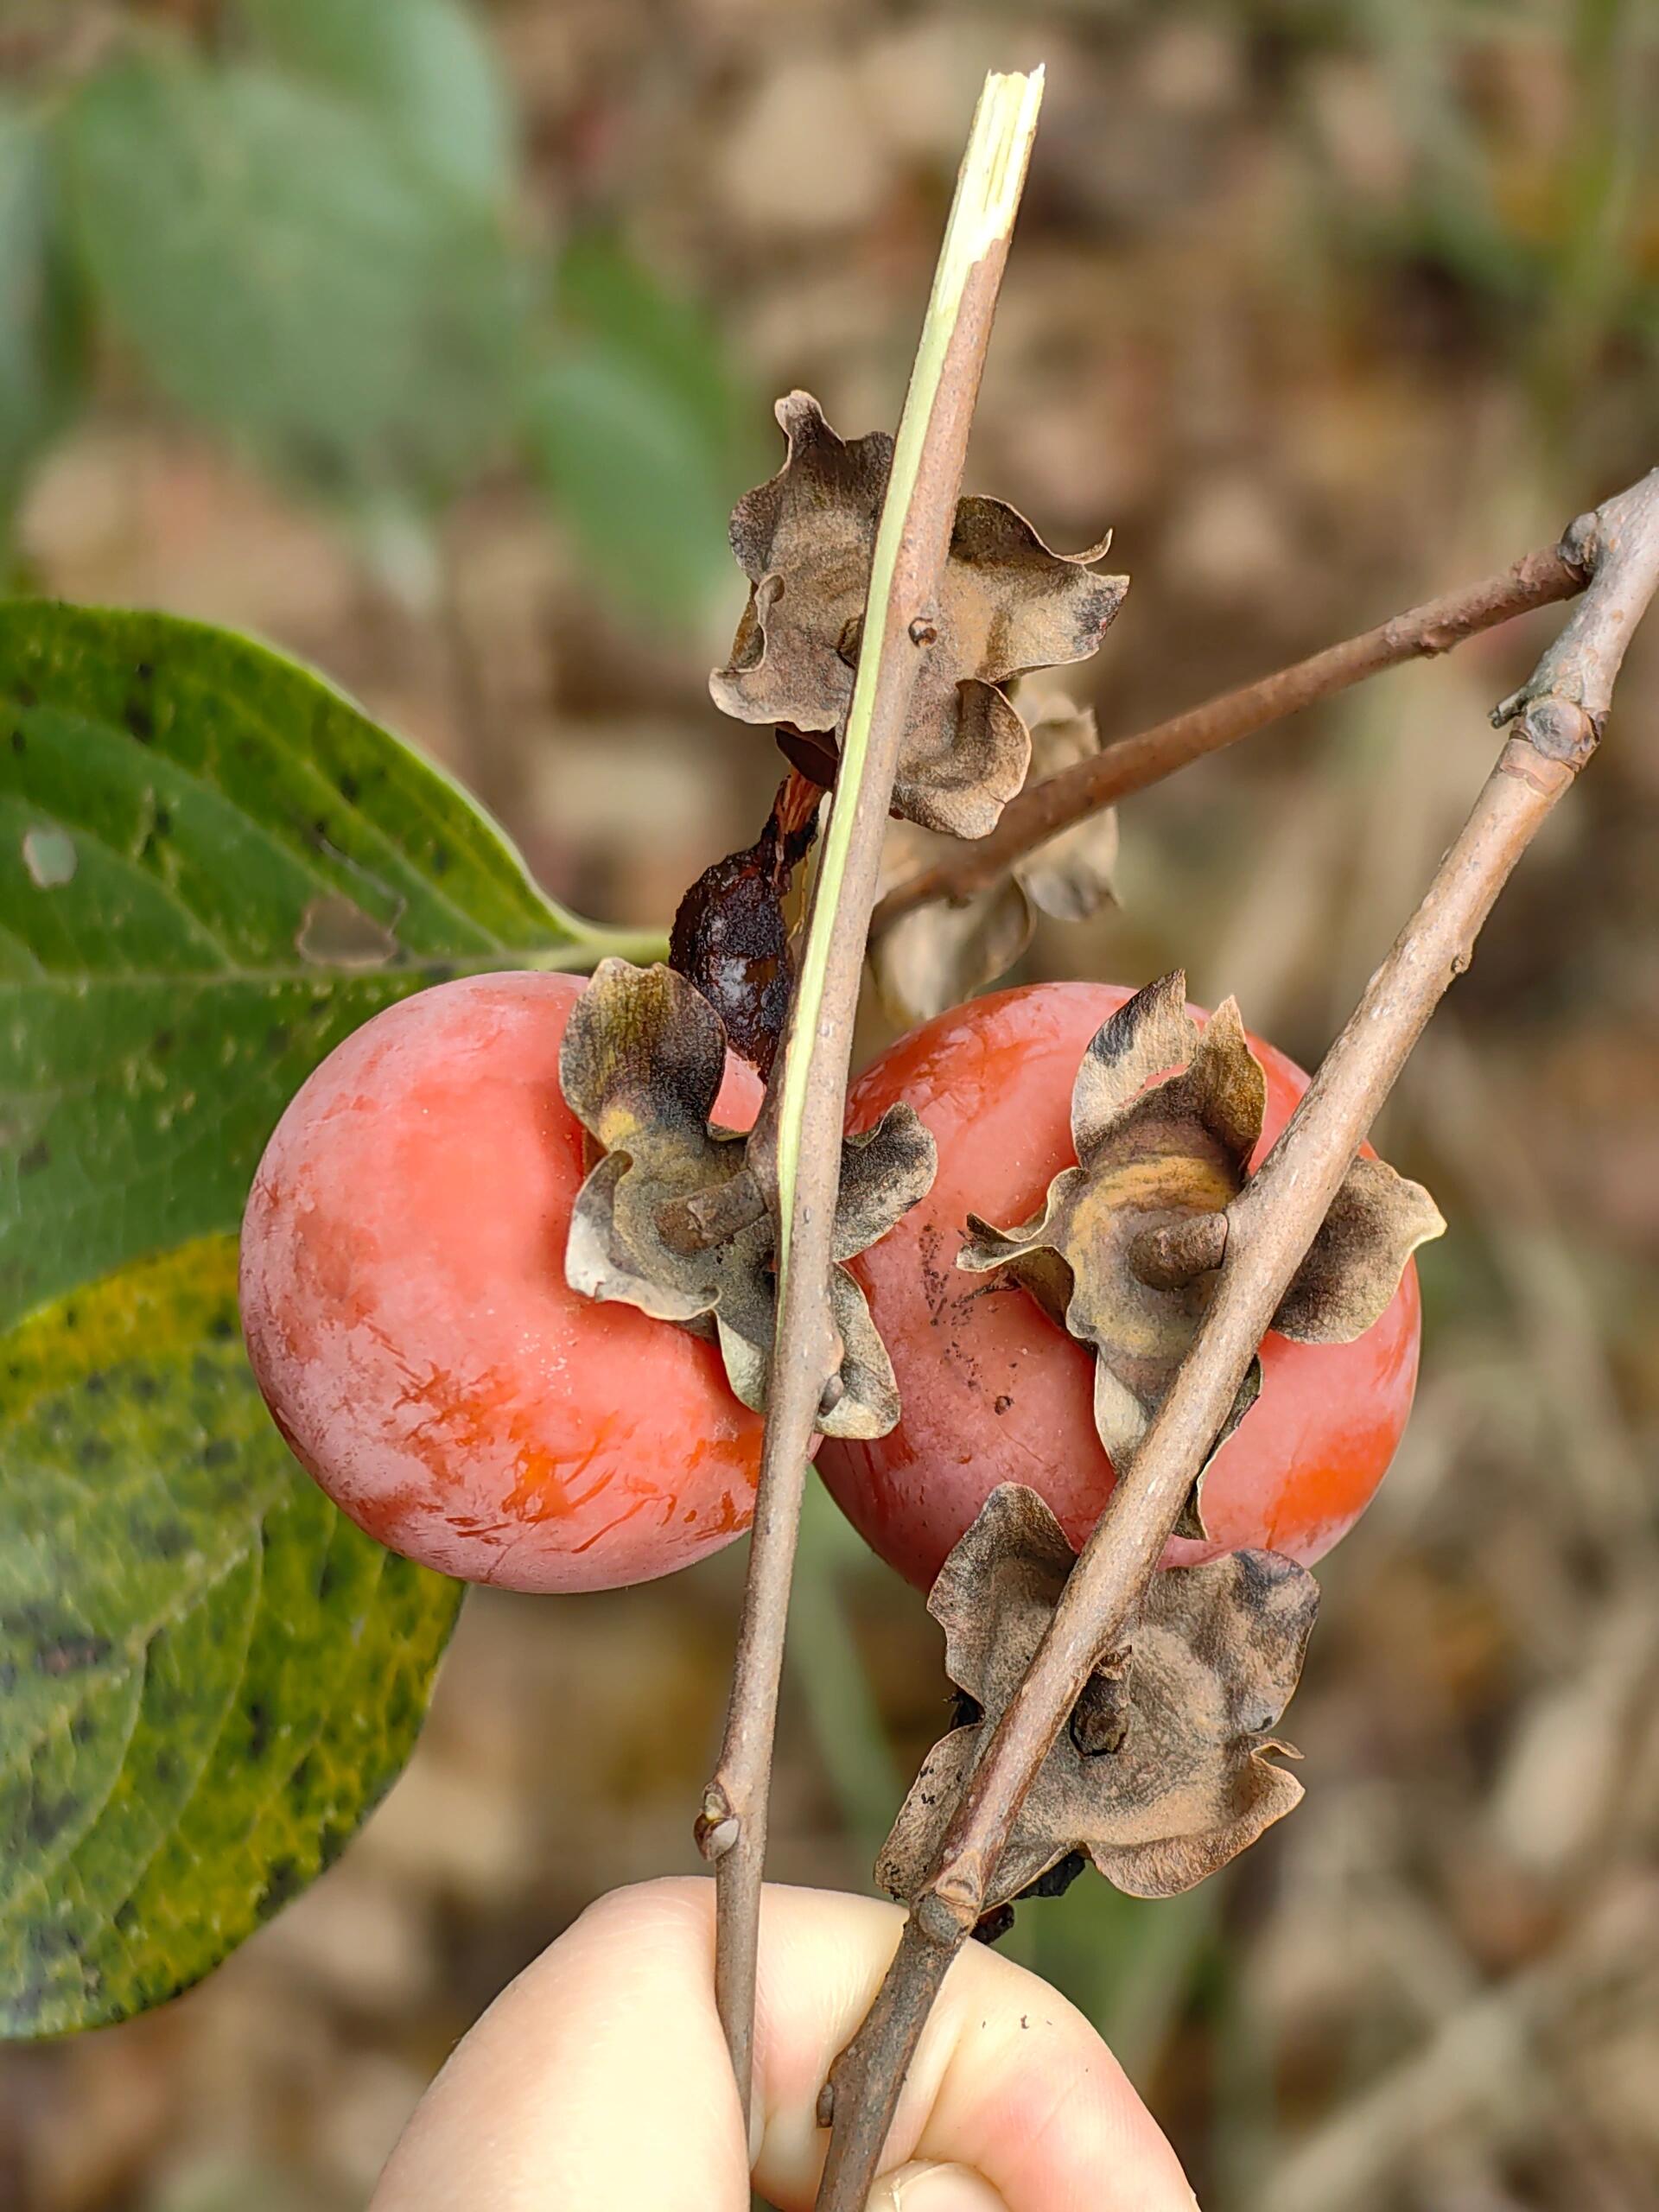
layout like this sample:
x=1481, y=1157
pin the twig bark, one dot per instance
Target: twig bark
x=1133, y=763
x=1558, y=716
x=806, y=1101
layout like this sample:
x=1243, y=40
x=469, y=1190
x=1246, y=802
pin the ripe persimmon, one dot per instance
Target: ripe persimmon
x=991, y=1390
x=407, y=1313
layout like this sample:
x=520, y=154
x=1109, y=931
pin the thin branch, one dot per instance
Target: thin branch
x=1133, y=763
x=806, y=1101
x=1271, y=1224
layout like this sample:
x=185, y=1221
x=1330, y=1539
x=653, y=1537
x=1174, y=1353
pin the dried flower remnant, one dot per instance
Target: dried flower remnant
x=675, y=1218
x=731, y=937
x=1165, y=1770
x=1125, y=1253
x=938, y=954
x=806, y=539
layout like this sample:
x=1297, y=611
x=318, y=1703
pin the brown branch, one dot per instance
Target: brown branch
x=1561, y=712
x=1134, y=763
x=810, y=1083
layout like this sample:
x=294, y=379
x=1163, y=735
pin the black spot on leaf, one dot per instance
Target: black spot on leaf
x=259, y=1729
x=72, y=1654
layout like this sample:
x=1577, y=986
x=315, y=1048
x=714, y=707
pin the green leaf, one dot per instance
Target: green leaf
x=212, y=867
x=208, y=1676
x=285, y=269
x=424, y=66
x=40, y=331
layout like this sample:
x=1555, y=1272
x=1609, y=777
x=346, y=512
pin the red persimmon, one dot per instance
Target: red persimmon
x=404, y=1301
x=993, y=1391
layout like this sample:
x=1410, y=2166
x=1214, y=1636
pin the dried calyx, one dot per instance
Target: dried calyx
x=1125, y=1252
x=806, y=541
x=940, y=954
x=1165, y=1770
x=731, y=937
x=676, y=1216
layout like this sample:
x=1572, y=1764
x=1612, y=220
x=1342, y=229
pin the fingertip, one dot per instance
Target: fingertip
x=1011, y=2088
x=1031, y=2097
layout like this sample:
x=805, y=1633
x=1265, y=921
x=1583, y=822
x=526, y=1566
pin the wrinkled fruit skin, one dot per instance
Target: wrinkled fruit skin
x=409, y=1321
x=994, y=1391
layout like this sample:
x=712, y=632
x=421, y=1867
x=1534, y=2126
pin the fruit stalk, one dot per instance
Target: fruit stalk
x=1557, y=719
x=1131, y=764
x=801, y=1120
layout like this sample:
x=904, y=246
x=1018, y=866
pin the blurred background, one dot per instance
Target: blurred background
x=432, y=342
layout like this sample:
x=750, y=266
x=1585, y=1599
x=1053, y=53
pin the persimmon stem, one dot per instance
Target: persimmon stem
x=801, y=1124
x=1557, y=720
x=709, y=1218
x=1132, y=764
x=1167, y=1257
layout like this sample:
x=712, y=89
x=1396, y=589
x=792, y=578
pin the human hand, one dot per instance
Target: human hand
x=600, y=2079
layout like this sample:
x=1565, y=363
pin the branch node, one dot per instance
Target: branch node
x=942, y=1921
x=1560, y=731
x=1563, y=703
x=1580, y=544
x=717, y=1827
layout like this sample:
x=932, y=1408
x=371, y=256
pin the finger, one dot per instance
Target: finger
x=1009, y=2080
x=601, y=2076
x=923, y=2185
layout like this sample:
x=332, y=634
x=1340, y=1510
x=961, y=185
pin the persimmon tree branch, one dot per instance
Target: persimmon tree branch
x=1556, y=721
x=1131, y=764
x=805, y=1107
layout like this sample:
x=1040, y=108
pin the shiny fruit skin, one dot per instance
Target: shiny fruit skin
x=993, y=1391
x=406, y=1311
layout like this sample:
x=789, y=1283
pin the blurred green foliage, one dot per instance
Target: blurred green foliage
x=633, y=423
x=311, y=240
x=40, y=349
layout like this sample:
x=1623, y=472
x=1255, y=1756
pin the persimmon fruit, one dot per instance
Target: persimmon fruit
x=405, y=1307
x=994, y=1391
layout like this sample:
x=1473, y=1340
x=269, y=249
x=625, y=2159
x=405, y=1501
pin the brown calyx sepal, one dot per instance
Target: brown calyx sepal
x=942, y=953
x=1165, y=1769
x=674, y=1218
x=1155, y=1149
x=1007, y=604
